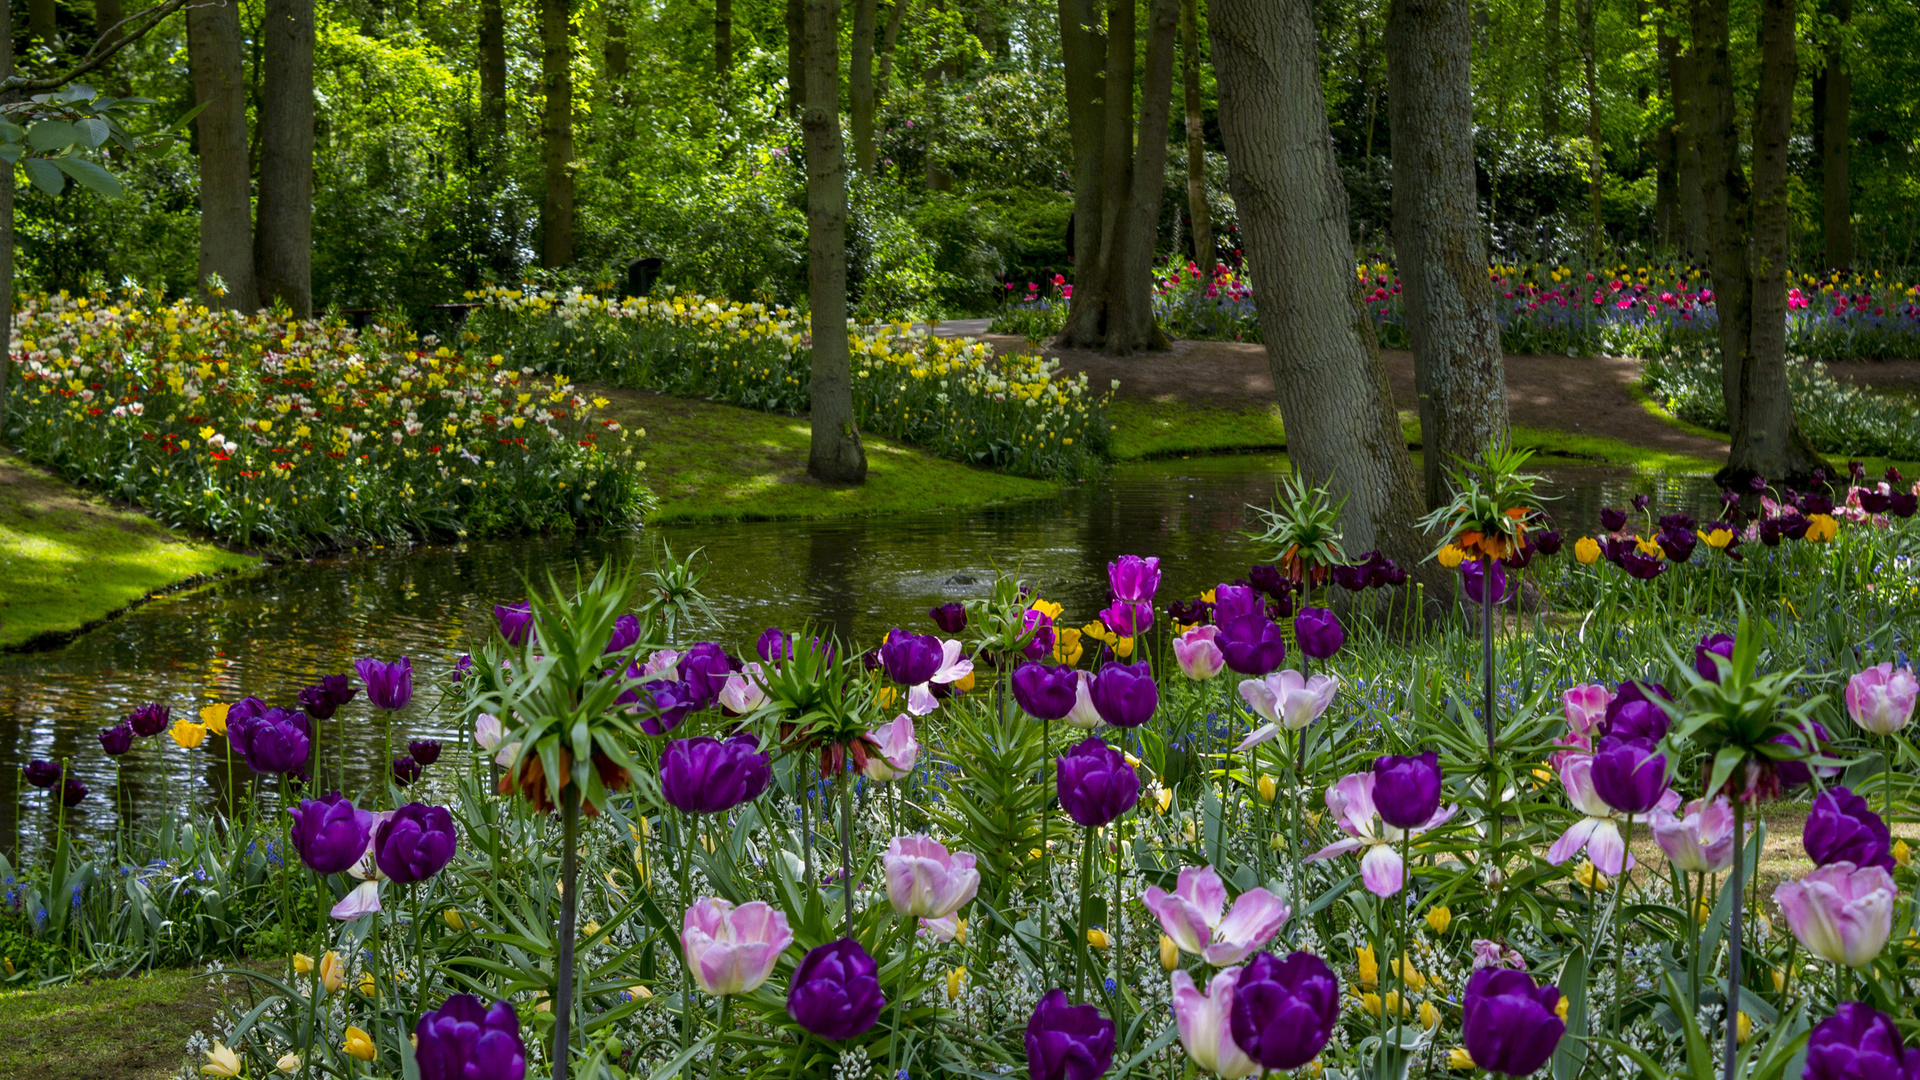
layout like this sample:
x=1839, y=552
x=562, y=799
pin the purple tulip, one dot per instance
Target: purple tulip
x=42, y=773
x=117, y=739
x=835, y=992
x=515, y=621
x=1642, y=567
x=1612, y=520
x=705, y=775
x=276, y=741
x=1509, y=1025
x=1636, y=713
x=1252, y=644
x=1068, y=1042
x=1678, y=546
x=1044, y=691
x=626, y=631
x=1629, y=775
x=415, y=843
x=1406, y=790
x=1815, y=742
x=1134, y=579
x=1040, y=625
x=1268, y=579
x=910, y=659
x=1858, y=1042
x=1842, y=828
x=389, y=686
x=704, y=668
x=666, y=702
x=950, y=618
x=1471, y=581
x=1127, y=618
x=330, y=833
x=72, y=791
x=1190, y=612
x=1642, y=501
x=1319, y=632
x=462, y=666
x=1284, y=1010
x=324, y=698
x=150, y=719
x=1124, y=694
x=406, y=770
x=315, y=702
x=1095, y=783
x=243, y=710
x=424, y=751
x=773, y=645
x=1232, y=602
x=467, y=1039
x=1712, y=645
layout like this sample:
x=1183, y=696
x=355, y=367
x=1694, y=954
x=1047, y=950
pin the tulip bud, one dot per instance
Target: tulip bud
x=1169, y=953
x=1439, y=918
x=1458, y=1058
x=1560, y=1010
x=1162, y=799
x=954, y=980
x=333, y=973
x=359, y=1044
x=1743, y=1029
x=1269, y=787
x=221, y=1061
x=303, y=963
x=1429, y=1016
x=1902, y=854
x=1097, y=938
x=366, y=983
x=454, y=919
x=288, y=1063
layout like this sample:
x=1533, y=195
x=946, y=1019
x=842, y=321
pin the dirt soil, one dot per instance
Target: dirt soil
x=1898, y=375
x=1589, y=395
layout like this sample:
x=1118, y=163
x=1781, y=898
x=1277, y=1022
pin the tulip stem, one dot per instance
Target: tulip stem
x=1486, y=645
x=846, y=842
x=1047, y=929
x=1613, y=919
x=1733, y=939
x=1114, y=920
x=684, y=826
x=1084, y=947
x=719, y=1040
x=569, y=870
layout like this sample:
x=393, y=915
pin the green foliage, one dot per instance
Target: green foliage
x=1838, y=417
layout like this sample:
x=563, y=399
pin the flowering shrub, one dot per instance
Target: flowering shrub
x=260, y=430
x=955, y=397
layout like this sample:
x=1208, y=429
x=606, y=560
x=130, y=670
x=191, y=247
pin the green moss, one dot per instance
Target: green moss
x=128, y=1029
x=708, y=462
x=1155, y=429
x=67, y=560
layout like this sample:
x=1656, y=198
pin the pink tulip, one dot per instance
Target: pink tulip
x=1205, y=1023
x=732, y=950
x=1586, y=707
x=665, y=661
x=1199, y=655
x=1192, y=915
x=1350, y=800
x=1880, y=699
x=1841, y=913
x=742, y=693
x=954, y=666
x=1598, y=832
x=895, y=750
x=924, y=880
x=1083, y=715
x=1284, y=699
x=1700, y=840
x=487, y=731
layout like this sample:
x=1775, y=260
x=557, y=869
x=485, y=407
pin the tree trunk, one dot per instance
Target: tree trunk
x=1666, y=147
x=618, y=52
x=556, y=132
x=723, y=38
x=1203, y=253
x=6, y=230
x=226, y=208
x=797, y=56
x=886, y=51
x=106, y=14
x=1596, y=164
x=860, y=83
x=1724, y=194
x=1550, y=74
x=283, y=242
x=1112, y=305
x=1837, y=208
x=1442, y=255
x=835, y=454
x=934, y=78
x=493, y=74
x=40, y=22
x=1689, y=185
x=1332, y=387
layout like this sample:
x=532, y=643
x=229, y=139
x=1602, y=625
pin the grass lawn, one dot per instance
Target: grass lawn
x=708, y=462
x=68, y=560
x=104, y=1029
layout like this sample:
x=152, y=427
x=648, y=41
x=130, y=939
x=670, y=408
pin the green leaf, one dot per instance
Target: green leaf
x=93, y=177
x=93, y=132
x=50, y=135
x=11, y=152
x=45, y=175
x=11, y=132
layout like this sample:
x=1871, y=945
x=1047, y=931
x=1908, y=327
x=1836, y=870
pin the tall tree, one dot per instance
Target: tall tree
x=860, y=83
x=556, y=132
x=1437, y=238
x=1596, y=161
x=723, y=38
x=887, y=43
x=283, y=240
x=835, y=454
x=1836, y=216
x=1690, y=198
x=107, y=15
x=226, y=206
x=797, y=55
x=493, y=73
x=618, y=52
x=1550, y=72
x=1666, y=146
x=1342, y=430
x=6, y=223
x=1117, y=184
x=41, y=16
x=1197, y=210
x=1747, y=232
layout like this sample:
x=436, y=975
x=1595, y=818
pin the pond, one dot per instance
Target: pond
x=271, y=632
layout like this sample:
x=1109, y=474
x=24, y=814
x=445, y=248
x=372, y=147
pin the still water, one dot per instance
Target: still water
x=271, y=632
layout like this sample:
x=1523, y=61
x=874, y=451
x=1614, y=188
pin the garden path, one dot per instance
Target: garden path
x=1590, y=395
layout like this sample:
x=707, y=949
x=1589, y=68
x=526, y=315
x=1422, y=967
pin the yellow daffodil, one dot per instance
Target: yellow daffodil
x=221, y=1061
x=333, y=973
x=1269, y=788
x=1587, y=550
x=955, y=978
x=1169, y=953
x=1452, y=556
x=359, y=1044
x=188, y=734
x=1459, y=1059
x=1439, y=918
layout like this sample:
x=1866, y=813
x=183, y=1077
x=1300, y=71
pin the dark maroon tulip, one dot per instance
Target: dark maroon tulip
x=1816, y=503
x=1874, y=501
x=316, y=703
x=1406, y=790
x=1268, y=579
x=1319, y=632
x=1095, y=783
x=1793, y=773
x=1859, y=1042
x=117, y=739
x=389, y=686
x=1509, y=1025
x=276, y=741
x=72, y=791
x=951, y=618
x=1842, y=828
x=1045, y=691
x=330, y=833
x=1677, y=545
x=1903, y=504
x=704, y=667
x=150, y=719
x=705, y=775
x=1643, y=567
x=424, y=751
x=1190, y=612
x=1612, y=520
x=910, y=659
x=515, y=622
x=1284, y=1010
x=626, y=631
x=467, y=1039
x=1068, y=1042
x=1252, y=644
x=835, y=992
x=1756, y=483
x=1548, y=542
x=324, y=698
x=1642, y=501
x=405, y=770
x=415, y=843
x=42, y=773
x=1629, y=775
x=1352, y=578
x=1124, y=694
x=1711, y=646
x=1471, y=581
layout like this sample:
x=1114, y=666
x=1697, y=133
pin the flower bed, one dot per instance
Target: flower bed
x=954, y=397
x=264, y=431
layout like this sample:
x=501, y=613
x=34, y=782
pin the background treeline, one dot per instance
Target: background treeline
x=436, y=157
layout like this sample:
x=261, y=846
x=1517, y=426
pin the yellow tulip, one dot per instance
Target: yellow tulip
x=1097, y=938
x=1439, y=919
x=1409, y=975
x=963, y=684
x=1590, y=877
x=960, y=931
x=954, y=980
x=1458, y=1058
x=221, y=1061
x=1169, y=953
x=1123, y=648
x=303, y=963
x=1822, y=528
x=1429, y=1016
x=1702, y=911
x=1452, y=556
x=359, y=1044
x=1046, y=607
x=1162, y=799
x=1066, y=645
x=1779, y=980
x=592, y=928
x=1648, y=546
x=1718, y=538
x=366, y=983
x=454, y=919
x=1370, y=1001
x=215, y=718
x=1560, y=1008
x=333, y=973
x=1902, y=854
x=1269, y=787
x=1587, y=550
x=1743, y=1029
x=288, y=1063
x=189, y=734
x=1368, y=966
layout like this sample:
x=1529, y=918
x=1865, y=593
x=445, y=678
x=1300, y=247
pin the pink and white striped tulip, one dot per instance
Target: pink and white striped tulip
x=1198, y=654
x=1195, y=916
x=1880, y=699
x=732, y=950
x=896, y=750
x=1840, y=912
x=1206, y=1025
x=1285, y=700
x=1382, y=870
x=924, y=880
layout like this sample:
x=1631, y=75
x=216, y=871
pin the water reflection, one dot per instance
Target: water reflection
x=274, y=631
